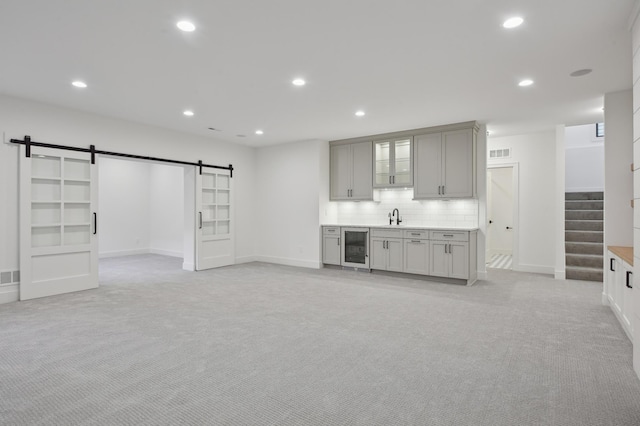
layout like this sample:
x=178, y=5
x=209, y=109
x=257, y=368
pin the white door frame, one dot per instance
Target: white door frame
x=515, y=176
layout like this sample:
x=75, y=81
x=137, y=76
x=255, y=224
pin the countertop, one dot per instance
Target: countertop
x=625, y=253
x=403, y=226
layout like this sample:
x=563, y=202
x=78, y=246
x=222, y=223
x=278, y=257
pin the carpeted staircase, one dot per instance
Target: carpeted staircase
x=584, y=232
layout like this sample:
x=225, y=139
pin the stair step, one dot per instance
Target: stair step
x=583, y=248
x=583, y=225
x=584, y=236
x=583, y=215
x=584, y=195
x=584, y=274
x=583, y=205
x=585, y=260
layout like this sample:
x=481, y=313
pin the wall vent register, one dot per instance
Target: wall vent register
x=500, y=153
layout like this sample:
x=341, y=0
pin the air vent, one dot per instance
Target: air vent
x=500, y=153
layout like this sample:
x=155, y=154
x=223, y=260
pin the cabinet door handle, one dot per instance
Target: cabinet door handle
x=416, y=241
x=95, y=223
x=629, y=273
x=439, y=193
x=394, y=179
x=445, y=248
x=338, y=241
x=443, y=192
x=200, y=214
x=611, y=265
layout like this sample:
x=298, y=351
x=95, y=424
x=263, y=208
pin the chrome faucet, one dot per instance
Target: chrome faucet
x=392, y=215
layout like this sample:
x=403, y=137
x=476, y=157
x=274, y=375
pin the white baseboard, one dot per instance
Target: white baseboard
x=9, y=293
x=289, y=262
x=117, y=253
x=536, y=269
x=188, y=266
x=605, y=299
x=246, y=259
x=167, y=252
x=560, y=275
x=482, y=275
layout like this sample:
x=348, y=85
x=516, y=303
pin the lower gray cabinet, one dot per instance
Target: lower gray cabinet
x=331, y=245
x=416, y=257
x=386, y=250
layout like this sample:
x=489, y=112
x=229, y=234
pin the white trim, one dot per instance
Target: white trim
x=605, y=299
x=9, y=293
x=245, y=259
x=560, y=275
x=586, y=189
x=536, y=269
x=189, y=266
x=289, y=262
x=167, y=253
x=515, y=179
x=117, y=253
x=482, y=275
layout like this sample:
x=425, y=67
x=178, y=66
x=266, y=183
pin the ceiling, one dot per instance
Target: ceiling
x=406, y=63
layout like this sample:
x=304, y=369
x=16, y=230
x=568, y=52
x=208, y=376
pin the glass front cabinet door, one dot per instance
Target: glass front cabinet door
x=393, y=163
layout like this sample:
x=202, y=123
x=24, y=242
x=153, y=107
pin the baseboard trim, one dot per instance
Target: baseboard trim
x=289, y=262
x=482, y=275
x=246, y=259
x=117, y=253
x=166, y=252
x=560, y=275
x=536, y=269
x=187, y=266
x=605, y=299
x=9, y=293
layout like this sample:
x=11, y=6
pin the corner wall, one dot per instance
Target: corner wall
x=535, y=153
x=635, y=34
x=288, y=202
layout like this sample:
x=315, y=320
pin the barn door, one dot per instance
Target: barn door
x=58, y=222
x=214, y=223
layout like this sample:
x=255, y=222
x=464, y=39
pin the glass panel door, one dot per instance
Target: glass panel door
x=355, y=247
x=402, y=150
x=383, y=163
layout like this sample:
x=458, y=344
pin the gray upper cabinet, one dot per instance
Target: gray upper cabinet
x=393, y=163
x=351, y=171
x=444, y=165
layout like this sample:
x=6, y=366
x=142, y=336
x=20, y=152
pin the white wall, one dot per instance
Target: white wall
x=51, y=124
x=635, y=36
x=584, y=159
x=288, y=206
x=535, y=155
x=618, y=214
x=166, y=209
x=123, y=207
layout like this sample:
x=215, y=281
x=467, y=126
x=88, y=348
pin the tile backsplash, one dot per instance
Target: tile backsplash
x=440, y=213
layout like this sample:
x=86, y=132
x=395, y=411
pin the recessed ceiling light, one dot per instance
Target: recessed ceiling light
x=186, y=26
x=188, y=113
x=360, y=113
x=80, y=84
x=580, y=73
x=259, y=132
x=525, y=83
x=298, y=82
x=516, y=21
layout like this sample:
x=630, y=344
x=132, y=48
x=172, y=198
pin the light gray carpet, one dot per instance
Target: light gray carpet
x=260, y=344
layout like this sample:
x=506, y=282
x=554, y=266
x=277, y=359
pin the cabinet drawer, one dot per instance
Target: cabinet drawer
x=386, y=233
x=450, y=235
x=331, y=230
x=415, y=234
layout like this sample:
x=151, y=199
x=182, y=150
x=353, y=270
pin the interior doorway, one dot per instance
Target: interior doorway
x=142, y=213
x=502, y=217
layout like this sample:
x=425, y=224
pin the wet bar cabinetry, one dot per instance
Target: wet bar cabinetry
x=438, y=162
x=448, y=255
